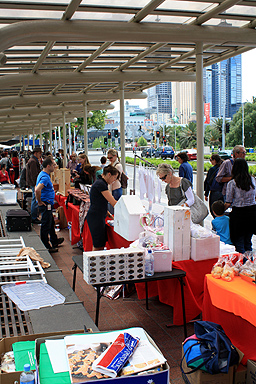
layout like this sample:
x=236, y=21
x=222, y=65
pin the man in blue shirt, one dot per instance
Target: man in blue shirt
x=45, y=197
x=185, y=169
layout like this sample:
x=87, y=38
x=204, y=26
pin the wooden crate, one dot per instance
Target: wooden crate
x=64, y=181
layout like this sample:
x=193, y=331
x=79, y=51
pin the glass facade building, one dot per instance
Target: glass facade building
x=160, y=98
x=223, y=87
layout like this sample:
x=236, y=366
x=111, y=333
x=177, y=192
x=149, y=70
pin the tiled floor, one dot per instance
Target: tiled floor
x=126, y=312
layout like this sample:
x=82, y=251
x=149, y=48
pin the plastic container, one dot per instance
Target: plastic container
x=149, y=263
x=8, y=197
x=27, y=376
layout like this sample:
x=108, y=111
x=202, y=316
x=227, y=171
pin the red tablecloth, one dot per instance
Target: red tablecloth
x=240, y=331
x=169, y=290
x=72, y=215
x=114, y=240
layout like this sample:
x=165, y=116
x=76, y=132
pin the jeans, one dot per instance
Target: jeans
x=47, y=226
x=34, y=206
x=243, y=243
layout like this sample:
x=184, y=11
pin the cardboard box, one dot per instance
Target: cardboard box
x=177, y=231
x=162, y=260
x=6, y=346
x=205, y=248
x=128, y=211
x=251, y=372
x=240, y=374
x=64, y=181
x=155, y=378
x=202, y=377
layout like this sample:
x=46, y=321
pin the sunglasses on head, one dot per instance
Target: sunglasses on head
x=163, y=178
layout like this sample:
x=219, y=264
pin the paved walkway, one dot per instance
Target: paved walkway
x=126, y=312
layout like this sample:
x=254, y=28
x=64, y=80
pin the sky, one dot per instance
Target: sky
x=248, y=80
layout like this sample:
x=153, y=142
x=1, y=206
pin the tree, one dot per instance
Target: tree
x=212, y=136
x=142, y=142
x=235, y=135
x=188, y=136
x=169, y=133
x=97, y=120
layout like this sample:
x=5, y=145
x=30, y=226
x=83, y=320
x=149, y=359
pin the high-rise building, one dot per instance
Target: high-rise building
x=160, y=98
x=184, y=101
x=223, y=87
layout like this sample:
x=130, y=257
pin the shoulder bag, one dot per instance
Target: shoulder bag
x=209, y=349
x=198, y=210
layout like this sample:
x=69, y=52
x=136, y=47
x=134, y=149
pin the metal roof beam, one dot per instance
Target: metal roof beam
x=67, y=97
x=25, y=32
x=93, y=76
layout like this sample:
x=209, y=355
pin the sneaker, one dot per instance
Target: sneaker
x=59, y=241
x=36, y=221
x=53, y=249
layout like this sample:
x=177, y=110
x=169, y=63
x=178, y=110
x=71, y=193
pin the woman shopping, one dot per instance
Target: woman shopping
x=211, y=185
x=241, y=195
x=100, y=196
x=81, y=177
x=176, y=186
x=115, y=188
x=179, y=192
x=4, y=177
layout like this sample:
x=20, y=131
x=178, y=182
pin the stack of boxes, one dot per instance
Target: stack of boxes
x=177, y=231
x=112, y=265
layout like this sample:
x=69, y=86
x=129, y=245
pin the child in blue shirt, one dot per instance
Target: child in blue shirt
x=221, y=222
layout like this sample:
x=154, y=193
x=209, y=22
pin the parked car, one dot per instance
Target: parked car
x=192, y=154
x=227, y=154
x=148, y=152
x=167, y=152
x=158, y=152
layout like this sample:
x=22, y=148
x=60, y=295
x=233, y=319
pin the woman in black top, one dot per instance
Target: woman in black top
x=99, y=198
x=211, y=185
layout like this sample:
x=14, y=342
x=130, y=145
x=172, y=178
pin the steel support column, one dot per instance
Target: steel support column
x=64, y=140
x=41, y=137
x=122, y=133
x=85, y=128
x=200, y=120
x=50, y=133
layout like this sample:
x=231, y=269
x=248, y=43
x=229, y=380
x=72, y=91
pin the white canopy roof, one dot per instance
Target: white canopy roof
x=57, y=55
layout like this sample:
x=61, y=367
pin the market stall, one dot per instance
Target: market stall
x=232, y=305
x=169, y=291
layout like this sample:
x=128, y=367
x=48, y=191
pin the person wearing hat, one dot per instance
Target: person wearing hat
x=33, y=170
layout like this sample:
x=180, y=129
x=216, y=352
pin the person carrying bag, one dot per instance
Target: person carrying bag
x=198, y=210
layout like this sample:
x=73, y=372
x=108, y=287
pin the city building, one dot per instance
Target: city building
x=183, y=101
x=223, y=87
x=160, y=98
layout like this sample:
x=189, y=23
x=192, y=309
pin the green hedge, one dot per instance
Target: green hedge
x=175, y=164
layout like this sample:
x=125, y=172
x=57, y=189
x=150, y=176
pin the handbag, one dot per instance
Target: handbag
x=209, y=349
x=198, y=210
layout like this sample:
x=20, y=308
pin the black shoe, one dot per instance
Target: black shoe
x=36, y=221
x=53, y=250
x=59, y=241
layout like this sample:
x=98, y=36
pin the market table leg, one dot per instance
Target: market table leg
x=74, y=276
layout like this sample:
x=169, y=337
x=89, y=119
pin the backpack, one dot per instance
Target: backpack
x=124, y=180
x=215, y=186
